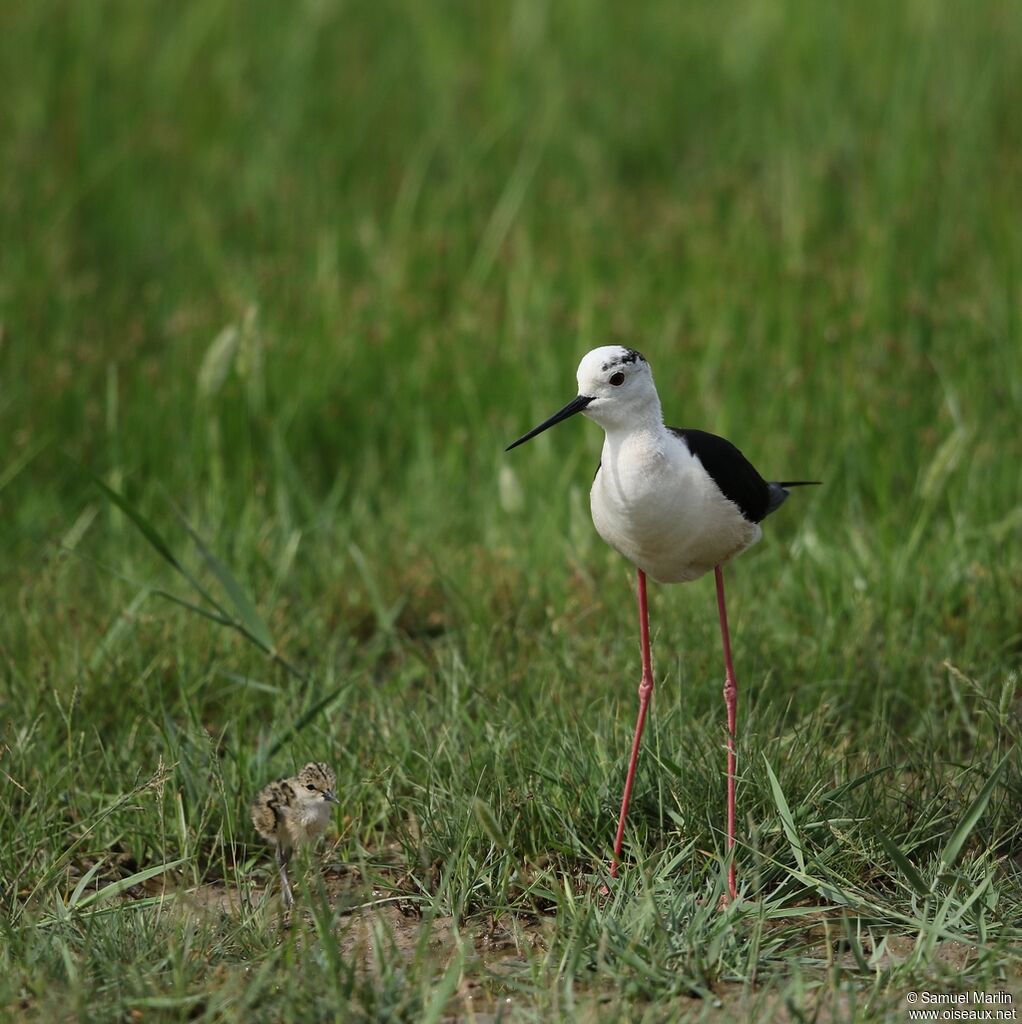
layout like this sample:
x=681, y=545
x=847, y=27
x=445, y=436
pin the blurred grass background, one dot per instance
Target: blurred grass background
x=303, y=270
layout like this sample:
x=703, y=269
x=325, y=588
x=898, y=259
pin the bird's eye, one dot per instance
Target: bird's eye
x=617, y=379
x=311, y=788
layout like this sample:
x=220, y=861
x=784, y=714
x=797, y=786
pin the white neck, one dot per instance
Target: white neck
x=637, y=418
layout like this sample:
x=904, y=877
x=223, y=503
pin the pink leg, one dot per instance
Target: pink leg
x=645, y=689
x=731, y=700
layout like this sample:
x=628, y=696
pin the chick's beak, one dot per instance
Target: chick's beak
x=331, y=797
x=577, y=404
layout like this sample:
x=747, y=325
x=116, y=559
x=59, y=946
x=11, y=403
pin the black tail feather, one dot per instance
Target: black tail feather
x=777, y=492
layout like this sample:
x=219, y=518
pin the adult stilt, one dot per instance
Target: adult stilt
x=676, y=501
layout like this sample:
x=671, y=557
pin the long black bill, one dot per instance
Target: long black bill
x=574, y=406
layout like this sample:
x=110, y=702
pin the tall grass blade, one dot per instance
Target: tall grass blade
x=120, y=626
x=153, y=536
x=905, y=866
x=385, y=617
x=443, y=992
x=82, y=885
x=854, y=944
x=853, y=784
x=143, y=525
x=244, y=606
x=220, y=620
x=14, y=468
x=488, y=822
x=123, y=884
x=217, y=361
x=961, y=834
x=301, y=722
x=787, y=821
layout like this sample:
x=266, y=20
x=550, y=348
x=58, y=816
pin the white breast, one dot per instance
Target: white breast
x=305, y=821
x=653, y=501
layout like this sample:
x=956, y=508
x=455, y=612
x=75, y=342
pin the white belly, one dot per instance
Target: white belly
x=653, y=502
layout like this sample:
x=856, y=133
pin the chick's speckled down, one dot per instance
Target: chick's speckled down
x=292, y=811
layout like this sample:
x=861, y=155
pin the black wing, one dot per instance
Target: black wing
x=732, y=472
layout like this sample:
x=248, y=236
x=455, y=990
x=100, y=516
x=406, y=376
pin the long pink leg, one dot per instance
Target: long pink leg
x=731, y=700
x=645, y=689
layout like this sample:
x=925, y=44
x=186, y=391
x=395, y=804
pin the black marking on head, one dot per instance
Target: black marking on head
x=630, y=356
x=317, y=775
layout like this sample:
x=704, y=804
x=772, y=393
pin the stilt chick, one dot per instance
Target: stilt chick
x=290, y=812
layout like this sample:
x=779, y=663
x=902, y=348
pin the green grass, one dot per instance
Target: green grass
x=293, y=275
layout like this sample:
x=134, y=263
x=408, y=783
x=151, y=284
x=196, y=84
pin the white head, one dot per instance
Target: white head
x=619, y=385
x=615, y=388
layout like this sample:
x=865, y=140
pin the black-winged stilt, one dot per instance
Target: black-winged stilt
x=676, y=503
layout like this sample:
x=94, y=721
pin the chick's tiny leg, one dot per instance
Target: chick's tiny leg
x=283, y=856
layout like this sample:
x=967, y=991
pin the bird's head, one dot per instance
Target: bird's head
x=618, y=384
x=615, y=388
x=316, y=783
